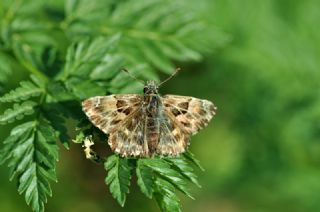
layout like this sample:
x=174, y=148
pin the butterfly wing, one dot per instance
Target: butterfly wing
x=121, y=117
x=129, y=138
x=108, y=112
x=173, y=139
x=188, y=113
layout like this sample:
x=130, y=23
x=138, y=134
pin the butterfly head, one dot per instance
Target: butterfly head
x=150, y=87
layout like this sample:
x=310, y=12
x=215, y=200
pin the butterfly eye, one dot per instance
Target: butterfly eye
x=145, y=89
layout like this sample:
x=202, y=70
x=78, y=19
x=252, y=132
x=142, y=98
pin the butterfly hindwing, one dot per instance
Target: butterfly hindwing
x=190, y=113
x=129, y=139
x=173, y=140
x=107, y=112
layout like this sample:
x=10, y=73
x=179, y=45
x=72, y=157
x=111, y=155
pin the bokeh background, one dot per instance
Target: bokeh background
x=262, y=151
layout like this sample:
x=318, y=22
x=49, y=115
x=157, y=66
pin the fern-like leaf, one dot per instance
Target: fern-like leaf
x=190, y=157
x=87, y=58
x=17, y=112
x=18, y=134
x=145, y=178
x=166, y=197
x=83, y=56
x=165, y=171
x=31, y=153
x=26, y=90
x=154, y=31
x=118, y=178
x=181, y=165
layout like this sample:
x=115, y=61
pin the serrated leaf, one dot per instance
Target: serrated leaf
x=146, y=29
x=118, y=178
x=83, y=88
x=17, y=112
x=190, y=156
x=58, y=92
x=36, y=187
x=31, y=152
x=84, y=56
x=18, y=134
x=179, y=51
x=164, y=169
x=144, y=178
x=166, y=197
x=47, y=136
x=55, y=115
x=156, y=56
x=111, y=65
x=185, y=169
x=26, y=90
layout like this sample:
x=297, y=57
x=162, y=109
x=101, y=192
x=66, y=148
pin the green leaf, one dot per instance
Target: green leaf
x=118, y=178
x=31, y=152
x=181, y=165
x=5, y=70
x=83, y=88
x=165, y=171
x=26, y=90
x=47, y=137
x=166, y=197
x=70, y=6
x=54, y=115
x=145, y=178
x=36, y=187
x=155, y=32
x=18, y=134
x=84, y=56
x=17, y=112
x=111, y=65
x=190, y=156
x=156, y=56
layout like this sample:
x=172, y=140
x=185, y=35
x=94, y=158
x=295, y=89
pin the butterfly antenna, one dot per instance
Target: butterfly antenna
x=172, y=75
x=132, y=76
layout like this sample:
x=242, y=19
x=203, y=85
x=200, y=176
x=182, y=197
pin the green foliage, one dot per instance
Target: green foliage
x=165, y=196
x=156, y=177
x=5, y=70
x=145, y=178
x=31, y=153
x=17, y=112
x=26, y=90
x=118, y=177
x=75, y=49
x=153, y=31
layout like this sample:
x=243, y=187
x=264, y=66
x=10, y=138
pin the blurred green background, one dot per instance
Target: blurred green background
x=262, y=151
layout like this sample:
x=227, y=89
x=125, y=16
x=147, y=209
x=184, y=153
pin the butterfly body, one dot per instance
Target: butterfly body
x=150, y=124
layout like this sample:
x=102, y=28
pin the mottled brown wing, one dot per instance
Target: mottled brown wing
x=108, y=112
x=128, y=139
x=173, y=140
x=188, y=113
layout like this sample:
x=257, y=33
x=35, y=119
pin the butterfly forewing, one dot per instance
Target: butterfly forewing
x=107, y=112
x=189, y=113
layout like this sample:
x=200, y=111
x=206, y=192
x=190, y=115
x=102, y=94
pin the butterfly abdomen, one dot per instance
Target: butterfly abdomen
x=152, y=126
x=152, y=134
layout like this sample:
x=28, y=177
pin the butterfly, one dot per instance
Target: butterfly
x=149, y=124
